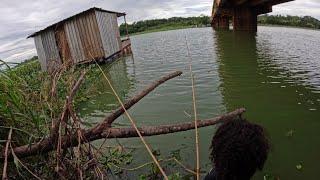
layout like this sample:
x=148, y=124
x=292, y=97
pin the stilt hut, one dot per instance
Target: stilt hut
x=87, y=36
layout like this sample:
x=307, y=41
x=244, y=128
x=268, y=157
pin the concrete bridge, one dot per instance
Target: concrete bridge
x=242, y=12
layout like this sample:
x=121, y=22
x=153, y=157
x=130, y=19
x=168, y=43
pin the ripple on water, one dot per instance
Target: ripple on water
x=273, y=75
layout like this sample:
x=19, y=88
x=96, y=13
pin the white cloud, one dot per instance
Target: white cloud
x=299, y=8
x=20, y=18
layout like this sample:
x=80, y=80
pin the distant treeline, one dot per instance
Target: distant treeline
x=201, y=21
x=306, y=21
x=165, y=24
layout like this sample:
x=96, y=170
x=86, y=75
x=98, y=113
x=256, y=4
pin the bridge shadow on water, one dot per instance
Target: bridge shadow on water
x=286, y=108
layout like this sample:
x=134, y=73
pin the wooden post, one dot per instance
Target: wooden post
x=221, y=22
x=125, y=21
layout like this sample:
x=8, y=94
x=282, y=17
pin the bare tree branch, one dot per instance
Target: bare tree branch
x=168, y=129
x=72, y=141
x=47, y=144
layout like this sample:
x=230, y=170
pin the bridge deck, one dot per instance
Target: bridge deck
x=243, y=12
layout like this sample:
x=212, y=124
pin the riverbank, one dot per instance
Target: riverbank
x=165, y=29
x=188, y=27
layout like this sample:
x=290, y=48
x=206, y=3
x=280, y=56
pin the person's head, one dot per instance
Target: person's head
x=239, y=148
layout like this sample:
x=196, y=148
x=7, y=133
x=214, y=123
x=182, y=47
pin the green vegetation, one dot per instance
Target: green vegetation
x=29, y=102
x=296, y=21
x=165, y=24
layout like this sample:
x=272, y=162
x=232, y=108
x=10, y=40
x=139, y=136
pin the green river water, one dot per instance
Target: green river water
x=274, y=74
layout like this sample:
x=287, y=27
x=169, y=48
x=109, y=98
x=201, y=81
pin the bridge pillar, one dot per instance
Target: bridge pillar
x=244, y=19
x=221, y=22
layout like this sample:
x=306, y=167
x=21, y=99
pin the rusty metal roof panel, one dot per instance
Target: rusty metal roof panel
x=84, y=38
x=47, y=50
x=73, y=38
x=50, y=49
x=40, y=52
x=109, y=32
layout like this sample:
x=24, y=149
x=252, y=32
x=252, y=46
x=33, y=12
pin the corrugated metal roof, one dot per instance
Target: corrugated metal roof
x=119, y=14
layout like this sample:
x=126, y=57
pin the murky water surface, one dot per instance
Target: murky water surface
x=274, y=74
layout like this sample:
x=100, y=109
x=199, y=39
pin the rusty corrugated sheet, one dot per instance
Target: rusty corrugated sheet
x=51, y=49
x=74, y=42
x=109, y=31
x=40, y=52
x=118, y=14
x=47, y=50
x=116, y=32
x=63, y=45
x=84, y=38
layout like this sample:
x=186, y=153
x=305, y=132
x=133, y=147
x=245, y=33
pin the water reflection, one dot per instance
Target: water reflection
x=281, y=103
x=104, y=101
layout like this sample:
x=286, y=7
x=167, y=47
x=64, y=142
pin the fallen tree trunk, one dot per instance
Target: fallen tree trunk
x=168, y=129
x=71, y=141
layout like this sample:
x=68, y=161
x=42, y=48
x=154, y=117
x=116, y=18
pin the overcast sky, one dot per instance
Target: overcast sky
x=20, y=18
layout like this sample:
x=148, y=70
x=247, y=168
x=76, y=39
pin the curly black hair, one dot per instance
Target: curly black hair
x=239, y=149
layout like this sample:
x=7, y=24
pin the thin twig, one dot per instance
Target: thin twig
x=76, y=121
x=68, y=101
x=134, y=125
x=18, y=160
x=195, y=111
x=5, y=164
